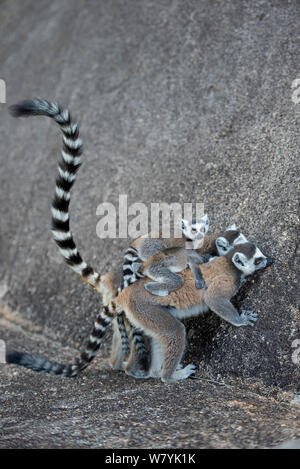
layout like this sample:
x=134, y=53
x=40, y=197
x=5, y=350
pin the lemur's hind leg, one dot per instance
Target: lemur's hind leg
x=169, y=338
x=165, y=281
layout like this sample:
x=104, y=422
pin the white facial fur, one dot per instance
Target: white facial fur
x=223, y=246
x=249, y=265
x=195, y=229
x=231, y=227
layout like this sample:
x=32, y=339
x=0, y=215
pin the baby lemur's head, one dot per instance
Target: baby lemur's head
x=247, y=258
x=230, y=238
x=195, y=229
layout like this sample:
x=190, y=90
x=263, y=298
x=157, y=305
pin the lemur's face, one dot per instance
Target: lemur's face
x=231, y=237
x=248, y=258
x=195, y=229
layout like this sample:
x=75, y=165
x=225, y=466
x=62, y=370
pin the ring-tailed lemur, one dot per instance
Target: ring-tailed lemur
x=133, y=307
x=164, y=257
x=158, y=317
x=139, y=251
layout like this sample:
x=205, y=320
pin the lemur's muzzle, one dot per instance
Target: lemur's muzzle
x=270, y=261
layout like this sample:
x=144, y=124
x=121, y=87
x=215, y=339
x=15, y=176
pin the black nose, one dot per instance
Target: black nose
x=270, y=261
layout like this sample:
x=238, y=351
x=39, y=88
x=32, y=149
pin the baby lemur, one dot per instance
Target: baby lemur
x=168, y=256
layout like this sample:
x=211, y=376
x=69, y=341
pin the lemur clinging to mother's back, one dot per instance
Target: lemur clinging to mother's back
x=168, y=256
x=165, y=364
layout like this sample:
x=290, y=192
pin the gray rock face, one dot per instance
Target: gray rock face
x=178, y=102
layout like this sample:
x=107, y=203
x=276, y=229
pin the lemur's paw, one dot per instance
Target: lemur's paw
x=181, y=374
x=137, y=373
x=193, y=370
x=154, y=373
x=249, y=317
x=193, y=374
x=200, y=284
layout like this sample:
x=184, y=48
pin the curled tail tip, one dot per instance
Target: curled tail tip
x=40, y=364
x=18, y=358
x=26, y=107
x=12, y=356
x=16, y=110
x=31, y=107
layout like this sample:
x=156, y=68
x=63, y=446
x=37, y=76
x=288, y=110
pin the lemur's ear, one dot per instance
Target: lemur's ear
x=239, y=260
x=205, y=219
x=222, y=242
x=231, y=227
x=240, y=239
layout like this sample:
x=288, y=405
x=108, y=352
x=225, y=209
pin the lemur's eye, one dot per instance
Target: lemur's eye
x=258, y=260
x=194, y=230
x=202, y=229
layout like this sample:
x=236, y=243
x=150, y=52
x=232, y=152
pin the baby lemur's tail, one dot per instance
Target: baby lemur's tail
x=45, y=366
x=130, y=276
x=67, y=169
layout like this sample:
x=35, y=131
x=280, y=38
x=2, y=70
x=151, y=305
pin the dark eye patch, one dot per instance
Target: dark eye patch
x=258, y=260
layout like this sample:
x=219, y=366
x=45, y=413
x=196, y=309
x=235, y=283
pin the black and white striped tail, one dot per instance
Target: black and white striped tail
x=45, y=366
x=67, y=169
x=130, y=276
